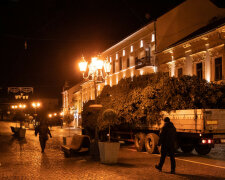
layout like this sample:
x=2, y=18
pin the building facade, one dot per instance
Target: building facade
x=178, y=43
x=202, y=55
x=72, y=104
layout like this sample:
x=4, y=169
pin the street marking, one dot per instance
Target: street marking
x=202, y=163
x=196, y=162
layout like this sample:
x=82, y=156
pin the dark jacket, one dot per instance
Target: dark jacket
x=43, y=131
x=168, y=135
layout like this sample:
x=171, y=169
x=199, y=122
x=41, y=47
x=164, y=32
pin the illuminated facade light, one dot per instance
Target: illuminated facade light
x=124, y=75
x=141, y=72
x=110, y=59
x=117, y=80
x=153, y=37
x=111, y=82
x=141, y=43
x=116, y=56
x=132, y=75
x=155, y=69
x=131, y=48
x=123, y=52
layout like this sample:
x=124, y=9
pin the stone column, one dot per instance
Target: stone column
x=188, y=65
x=207, y=65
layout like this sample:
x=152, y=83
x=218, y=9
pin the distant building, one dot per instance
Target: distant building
x=72, y=104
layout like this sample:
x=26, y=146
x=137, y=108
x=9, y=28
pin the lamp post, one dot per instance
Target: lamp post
x=35, y=105
x=98, y=70
x=21, y=118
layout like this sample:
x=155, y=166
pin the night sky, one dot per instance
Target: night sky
x=41, y=41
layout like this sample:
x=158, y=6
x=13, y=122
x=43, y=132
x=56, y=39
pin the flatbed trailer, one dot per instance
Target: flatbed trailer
x=197, y=129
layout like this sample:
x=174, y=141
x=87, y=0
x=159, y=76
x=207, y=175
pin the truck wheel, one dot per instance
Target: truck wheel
x=151, y=142
x=202, y=149
x=187, y=148
x=139, y=142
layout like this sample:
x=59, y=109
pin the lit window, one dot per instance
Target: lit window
x=131, y=49
x=116, y=56
x=26, y=97
x=120, y=65
x=141, y=44
x=153, y=37
x=218, y=69
x=128, y=62
x=180, y=72
x=123, y=52
x=110, y=59
x=199, y=70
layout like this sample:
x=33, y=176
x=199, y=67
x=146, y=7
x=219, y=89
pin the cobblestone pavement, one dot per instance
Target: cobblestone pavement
x=22, y=159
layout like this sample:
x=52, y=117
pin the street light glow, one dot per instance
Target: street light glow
x=83, y=65
x=36, y=104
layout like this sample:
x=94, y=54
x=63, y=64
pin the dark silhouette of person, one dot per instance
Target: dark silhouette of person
x=167, y=141
x=43, y=131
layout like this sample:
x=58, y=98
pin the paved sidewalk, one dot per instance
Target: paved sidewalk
x=22, y=159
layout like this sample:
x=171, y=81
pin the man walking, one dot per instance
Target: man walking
x=167, y=141
x=43, y=131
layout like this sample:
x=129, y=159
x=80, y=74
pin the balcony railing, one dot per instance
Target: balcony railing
x=142, y=62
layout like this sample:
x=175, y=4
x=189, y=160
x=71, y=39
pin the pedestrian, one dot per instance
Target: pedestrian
x=167, y=141
x=43, y=131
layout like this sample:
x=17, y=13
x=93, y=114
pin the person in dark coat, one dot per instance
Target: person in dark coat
x=43, y=131
x=167, y=141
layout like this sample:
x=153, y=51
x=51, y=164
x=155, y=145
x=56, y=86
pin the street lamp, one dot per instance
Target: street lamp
x=21, y=118
x=98, y=70
x=36, y=105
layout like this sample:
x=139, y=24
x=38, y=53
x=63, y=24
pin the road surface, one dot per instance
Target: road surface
x=22, y=159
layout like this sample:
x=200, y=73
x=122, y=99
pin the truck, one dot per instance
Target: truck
x=197, y=129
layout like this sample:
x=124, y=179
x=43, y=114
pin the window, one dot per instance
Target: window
x=110, y=59
x=218, y=69
x=141, y=44
x=114, y=66
x=128, y=62
x=153, y=37
x=123, y=52
x=148, y=55
x=131, y=49
x=199, y=70
x=180, y=72
x=120, y=61
x=116, y=56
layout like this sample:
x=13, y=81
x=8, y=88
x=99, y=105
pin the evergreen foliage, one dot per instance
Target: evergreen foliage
x=139, y=101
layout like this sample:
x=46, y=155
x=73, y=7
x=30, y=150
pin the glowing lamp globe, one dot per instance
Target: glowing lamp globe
x=83, y=65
